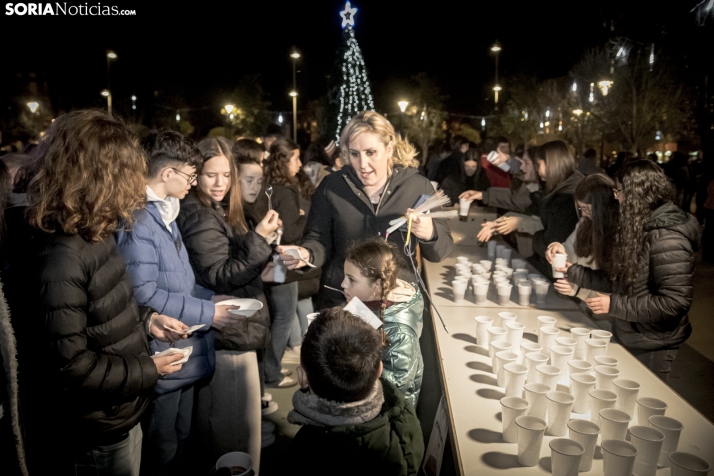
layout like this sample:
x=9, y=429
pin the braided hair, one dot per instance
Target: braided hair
x=377, y=259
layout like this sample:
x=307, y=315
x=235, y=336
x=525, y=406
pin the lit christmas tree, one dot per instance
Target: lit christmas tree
x=355, y=94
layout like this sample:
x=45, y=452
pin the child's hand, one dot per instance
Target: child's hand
x=471, y=195
x=506, y=225
x=563, y=287
x=487, y=230
x=268, y=224
x=159, y=327
x=600, y=304
x=554, y=248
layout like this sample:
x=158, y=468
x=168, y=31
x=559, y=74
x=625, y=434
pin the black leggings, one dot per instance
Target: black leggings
x=658, y=361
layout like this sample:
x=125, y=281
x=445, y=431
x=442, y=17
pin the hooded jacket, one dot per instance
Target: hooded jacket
x=402, y=359
x=557, y=212
x=342, y=213
x=227, y=263
x=652, y=314
x=378, y=435
x=162, y=278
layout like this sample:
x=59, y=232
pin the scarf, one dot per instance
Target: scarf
x=310, y=409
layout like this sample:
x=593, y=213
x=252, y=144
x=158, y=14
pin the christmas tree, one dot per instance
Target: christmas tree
x=354, y=94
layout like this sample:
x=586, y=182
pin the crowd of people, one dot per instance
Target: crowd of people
x=126, y=262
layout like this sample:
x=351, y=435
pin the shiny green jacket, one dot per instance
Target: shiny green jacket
x=403, y=364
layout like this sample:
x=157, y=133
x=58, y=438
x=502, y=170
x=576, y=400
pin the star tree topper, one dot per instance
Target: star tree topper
x=348, y=15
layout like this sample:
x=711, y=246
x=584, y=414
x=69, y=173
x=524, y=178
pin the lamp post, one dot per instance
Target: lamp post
x=496, y=49
x=110, y=56
x=403, y=107
x=294, y=55
x=34, y=105
x=107, y=94
x=228, y=111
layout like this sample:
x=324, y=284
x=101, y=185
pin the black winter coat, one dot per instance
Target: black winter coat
x=652, y=315
x=559, y=217
x=342, y=213
x=84, y=364
x=227, y=263
x=455, y=181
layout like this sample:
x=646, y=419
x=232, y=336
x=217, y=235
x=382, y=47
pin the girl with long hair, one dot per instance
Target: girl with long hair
x=651, y=271
x=228, y=257
x=591, y=243
x=371, y=268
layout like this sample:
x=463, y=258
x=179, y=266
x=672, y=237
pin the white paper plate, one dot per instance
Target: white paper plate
x=248, y=307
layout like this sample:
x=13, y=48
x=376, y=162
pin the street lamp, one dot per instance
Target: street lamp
x=107, y=94
x=110, y=56
x=133, y=102
x=294, y=55
x=33, y=106
x=403, y=107
x=496, y=50
x=605, y=86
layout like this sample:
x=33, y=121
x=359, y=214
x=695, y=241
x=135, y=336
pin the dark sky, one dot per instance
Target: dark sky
x=200, y=48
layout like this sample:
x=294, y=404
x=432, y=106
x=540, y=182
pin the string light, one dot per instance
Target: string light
x=355, y=91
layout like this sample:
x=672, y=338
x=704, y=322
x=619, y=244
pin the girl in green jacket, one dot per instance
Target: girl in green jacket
x=371, y=275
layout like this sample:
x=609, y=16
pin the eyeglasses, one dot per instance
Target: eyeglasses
x=191, y=178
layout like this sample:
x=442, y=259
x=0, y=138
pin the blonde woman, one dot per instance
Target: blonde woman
x=361, y=199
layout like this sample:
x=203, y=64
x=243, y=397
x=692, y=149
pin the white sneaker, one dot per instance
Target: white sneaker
x=286, y=372
x=266, y=397
x=266, y=408
x=284, y=383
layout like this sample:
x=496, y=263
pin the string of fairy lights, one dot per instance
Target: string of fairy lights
x=355, y=90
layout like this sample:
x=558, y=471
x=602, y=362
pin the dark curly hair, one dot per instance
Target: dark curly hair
x=594, y=236
x=90, y=177
x=644, y=188
x=276, y=168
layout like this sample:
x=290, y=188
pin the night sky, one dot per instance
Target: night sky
x=200, y=50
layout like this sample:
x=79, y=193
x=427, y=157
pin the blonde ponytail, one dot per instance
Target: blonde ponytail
x=404, y=152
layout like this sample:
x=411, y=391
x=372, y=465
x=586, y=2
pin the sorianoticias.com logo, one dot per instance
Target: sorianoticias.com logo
x=65, y=9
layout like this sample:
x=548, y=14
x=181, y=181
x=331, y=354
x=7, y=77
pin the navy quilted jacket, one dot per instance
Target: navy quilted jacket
x=157, y=264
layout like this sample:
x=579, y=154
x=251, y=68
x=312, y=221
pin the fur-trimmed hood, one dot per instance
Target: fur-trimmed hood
x=310, y=409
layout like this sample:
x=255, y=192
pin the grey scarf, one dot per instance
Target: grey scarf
x=310, y=409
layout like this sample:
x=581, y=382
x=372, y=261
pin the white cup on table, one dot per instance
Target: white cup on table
x=514, y=333
x=594, y=347
x=504, y=294
x=618, y=457
x=647, y=407
x=614, y=423
x=535, y=395
x=565, y=456
x=580, y=335
x=482, y=325
x=626, y=391
x=532, y=361
x=606, y=360
x=481, y=292
x=515, y=379
x=459, y=288
x=584, y=432
x=648, y=442
x=527, y=347
x=560, y=405
x=548, y=374
x=604, y=376
x=491, y=250
x=541, y=291
x=511, y=408
x=495, y=347
x=502, y=358
x=559, y=262
x=671, y=429
x=687, y=464
x=530, y=439
x=547, y=338
x=600, y=400
x=524, y=294
x=580, y=385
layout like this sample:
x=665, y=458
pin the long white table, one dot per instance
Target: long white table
x=472, y=395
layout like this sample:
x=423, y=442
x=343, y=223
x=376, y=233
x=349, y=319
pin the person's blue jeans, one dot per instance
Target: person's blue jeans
x=119, y=459
x=283, y=302
x=166, y=430
x=658, y=361
x=299, y=326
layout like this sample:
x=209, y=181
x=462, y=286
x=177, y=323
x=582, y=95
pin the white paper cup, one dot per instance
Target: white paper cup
x=482, y=325
x=600, y=400
x=236, y=458
x=541, y=291
x=487, y=264
x=618, y=458
x=545, y=321
x=565, y=341
x=559, y=262
x=518, y=263
x=486, y=274
x=526, y=348
x=535, y=395
x=504, y=317
x=613, y=424
x=499, y=251
x=506, y=253
x=459, y=288
x=580, y=335
x=504, y=294
x=606, y=360
x=464, y=205
x=532, y=361
x=524, y=294
x=687, y=464
x=515, y=378
x=530, y=439
x=565, y=456
x=481, y=292
x=560, y=405
x=605, y=376
x=671, y=429
x=626, y=391
x=547, y=338
x=491, y=249
x=496, y=333
x=548, y=374
x=580, y=385
x=579, y=367
x=478, y=268
x=595, y=347
x=602, y=335
x=502, y=358
x=495, y=347
x=462, y=259
x=511, y=408
x=534, y=276
x=584, y=432
x=648, y=442
x=559, y=357
x=647, y=407
x=515, y=333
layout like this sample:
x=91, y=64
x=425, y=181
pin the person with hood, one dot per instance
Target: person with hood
x=157, y=263
x=351, y=418
x=651, y=282
x=371, y=277
x=361, y=199
x=466, y=174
